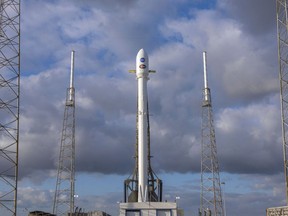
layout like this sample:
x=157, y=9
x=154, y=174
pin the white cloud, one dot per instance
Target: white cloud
x=33, y=199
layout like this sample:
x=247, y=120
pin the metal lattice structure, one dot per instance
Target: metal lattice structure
x=65, y=185
x=131, y=184
x=211, y=195
x=9, y=104
x=282, y=28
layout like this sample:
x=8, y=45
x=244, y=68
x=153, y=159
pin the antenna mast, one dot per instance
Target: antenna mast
x=65, y=185
x=9, y=104
x=211, y=197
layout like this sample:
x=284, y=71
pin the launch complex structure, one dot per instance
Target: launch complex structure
x=65, y=184
x=282, y=36
x=211, y=203
x=9, y=104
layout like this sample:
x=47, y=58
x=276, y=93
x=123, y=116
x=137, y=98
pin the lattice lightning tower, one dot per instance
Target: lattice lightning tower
x=9, y=104
x=211, y=196
x=282, y=25
x=65, y=185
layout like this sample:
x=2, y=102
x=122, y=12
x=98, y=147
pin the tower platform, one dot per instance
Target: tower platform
x=148, y=208
x=277, y=211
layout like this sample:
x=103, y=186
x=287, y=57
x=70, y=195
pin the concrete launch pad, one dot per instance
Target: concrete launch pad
x=148, y=208
x=277, y=211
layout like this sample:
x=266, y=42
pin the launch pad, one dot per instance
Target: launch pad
x=277, y=211
x=148, y=208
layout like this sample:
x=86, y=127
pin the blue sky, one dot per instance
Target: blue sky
x=241, y=45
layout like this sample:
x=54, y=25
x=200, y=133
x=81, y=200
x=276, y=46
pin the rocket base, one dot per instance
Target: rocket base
x=149, y=208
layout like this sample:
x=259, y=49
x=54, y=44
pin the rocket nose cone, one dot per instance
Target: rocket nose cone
x=141, y=53
x=142, y=56
x=142, y=63
x=141, y=50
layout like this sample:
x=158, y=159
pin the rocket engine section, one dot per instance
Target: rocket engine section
x=143, y=185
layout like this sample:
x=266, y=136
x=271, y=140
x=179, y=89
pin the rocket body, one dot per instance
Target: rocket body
x=142, y=74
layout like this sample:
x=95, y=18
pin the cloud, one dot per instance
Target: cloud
x=31, y=199
x=105, y=123
x=248, y=13
x=245, y=72
x=260, y=136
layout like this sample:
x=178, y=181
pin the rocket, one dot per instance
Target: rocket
x=142, y=74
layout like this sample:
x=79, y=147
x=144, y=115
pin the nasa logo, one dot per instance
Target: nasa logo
x=142, y=59
x=142, y=66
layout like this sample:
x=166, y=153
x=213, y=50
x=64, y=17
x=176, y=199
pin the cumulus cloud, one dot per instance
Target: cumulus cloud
x=31, y=199
x=248, y=13
x=260, y=136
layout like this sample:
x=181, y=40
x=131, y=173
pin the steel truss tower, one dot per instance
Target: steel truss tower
x=65, y=185
x=9, y=104
x=282, y=28
x=211, y=195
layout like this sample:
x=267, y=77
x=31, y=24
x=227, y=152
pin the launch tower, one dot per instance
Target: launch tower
x=9, y=104
x=143, y=190
x=282, y=33
x=211, y=196
x=65, y=185
x=282, y=27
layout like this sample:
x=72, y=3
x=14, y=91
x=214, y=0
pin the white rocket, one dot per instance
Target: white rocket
x=142, y=74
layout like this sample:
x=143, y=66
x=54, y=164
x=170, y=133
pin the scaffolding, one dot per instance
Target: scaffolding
x=9, y=104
